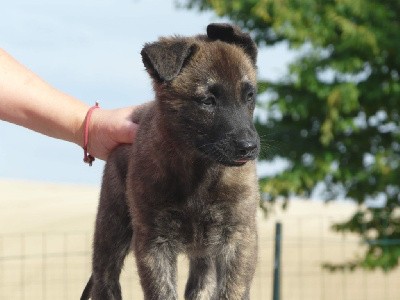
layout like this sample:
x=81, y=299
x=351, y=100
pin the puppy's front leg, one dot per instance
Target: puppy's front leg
x=202, y=281
x=156, y=262
x=236, y=266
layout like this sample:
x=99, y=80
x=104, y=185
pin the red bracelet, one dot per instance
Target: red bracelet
x=87, y=158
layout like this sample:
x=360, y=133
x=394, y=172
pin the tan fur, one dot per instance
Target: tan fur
x=188, y=184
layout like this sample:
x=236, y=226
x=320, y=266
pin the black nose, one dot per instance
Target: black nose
x=245, y=147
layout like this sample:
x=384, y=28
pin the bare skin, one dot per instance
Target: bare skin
x=28, y=101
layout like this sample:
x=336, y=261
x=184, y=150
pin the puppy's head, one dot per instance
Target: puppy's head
x=206, y=88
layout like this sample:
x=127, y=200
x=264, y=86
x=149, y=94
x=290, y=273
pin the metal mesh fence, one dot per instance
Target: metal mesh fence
x=57, y=265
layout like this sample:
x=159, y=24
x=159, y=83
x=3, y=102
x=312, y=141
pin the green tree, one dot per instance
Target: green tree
x=335, y=117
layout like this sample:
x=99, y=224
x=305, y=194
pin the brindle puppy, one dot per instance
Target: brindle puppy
x=188, y=184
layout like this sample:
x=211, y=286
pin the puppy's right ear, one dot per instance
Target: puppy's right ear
x=233, y=35
x=165, y=59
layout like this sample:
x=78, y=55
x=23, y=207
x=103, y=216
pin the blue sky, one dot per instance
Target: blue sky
x=91, y=50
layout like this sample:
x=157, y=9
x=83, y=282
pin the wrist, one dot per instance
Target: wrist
x=87, y=131
x=78, y=134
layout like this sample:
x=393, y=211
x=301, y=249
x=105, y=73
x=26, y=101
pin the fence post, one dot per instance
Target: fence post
x=277, y=262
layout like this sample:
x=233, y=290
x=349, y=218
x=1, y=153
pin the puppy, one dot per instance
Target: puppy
x=188, y=184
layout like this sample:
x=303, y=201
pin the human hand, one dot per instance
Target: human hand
x=28, y=101
x=110, y=128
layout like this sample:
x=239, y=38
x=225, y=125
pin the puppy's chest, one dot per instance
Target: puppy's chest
x=203, y=219
x=198, y=228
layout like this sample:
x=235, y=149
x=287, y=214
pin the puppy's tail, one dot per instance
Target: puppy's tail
x=88, y=289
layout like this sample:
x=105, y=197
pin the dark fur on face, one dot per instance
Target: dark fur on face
x=188, y=184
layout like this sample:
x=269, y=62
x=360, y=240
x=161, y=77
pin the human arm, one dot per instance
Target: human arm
x=28, y=101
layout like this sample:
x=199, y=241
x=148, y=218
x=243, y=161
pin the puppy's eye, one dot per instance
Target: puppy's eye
x=209, y=101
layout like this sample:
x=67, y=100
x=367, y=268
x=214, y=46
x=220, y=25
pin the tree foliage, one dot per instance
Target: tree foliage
x=335, y=117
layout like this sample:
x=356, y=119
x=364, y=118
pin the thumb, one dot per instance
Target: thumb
x=128, y=132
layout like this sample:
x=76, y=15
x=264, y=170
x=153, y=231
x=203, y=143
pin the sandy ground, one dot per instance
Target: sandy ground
x=45, y=248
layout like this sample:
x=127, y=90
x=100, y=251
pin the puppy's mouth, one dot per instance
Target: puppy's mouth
x=228, y=156
x=240, y=162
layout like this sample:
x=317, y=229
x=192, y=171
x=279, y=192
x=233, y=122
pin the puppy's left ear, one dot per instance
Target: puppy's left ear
x=233, y=35
x=165, y=59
